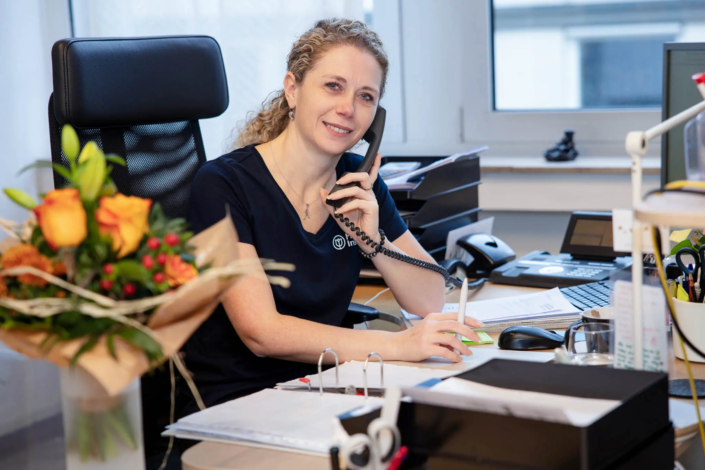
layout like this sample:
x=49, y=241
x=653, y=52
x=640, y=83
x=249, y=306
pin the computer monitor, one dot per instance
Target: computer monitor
x=680, y=62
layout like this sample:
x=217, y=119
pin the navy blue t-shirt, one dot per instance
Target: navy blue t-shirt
x=327, y=268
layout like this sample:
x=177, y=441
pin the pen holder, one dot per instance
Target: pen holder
x=691, y=319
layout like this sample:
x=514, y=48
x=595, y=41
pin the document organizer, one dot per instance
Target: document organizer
x=635, y=435
x=439, y=201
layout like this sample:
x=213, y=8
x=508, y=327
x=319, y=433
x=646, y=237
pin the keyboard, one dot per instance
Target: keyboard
x=586, y=296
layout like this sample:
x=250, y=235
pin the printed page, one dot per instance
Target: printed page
x=540, y=304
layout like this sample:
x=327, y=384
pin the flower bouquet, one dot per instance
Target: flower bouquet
x=106, y=287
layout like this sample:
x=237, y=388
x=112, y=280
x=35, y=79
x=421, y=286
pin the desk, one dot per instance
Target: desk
x=215, y=456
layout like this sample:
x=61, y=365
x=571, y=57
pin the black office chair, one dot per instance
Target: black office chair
x=141, y=98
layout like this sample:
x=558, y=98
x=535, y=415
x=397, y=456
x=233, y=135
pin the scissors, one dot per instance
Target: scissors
x=697, y=270
x=376, y=449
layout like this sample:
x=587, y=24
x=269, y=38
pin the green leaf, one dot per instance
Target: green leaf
x=63, y=172
x=38, y=164
x=132, y=270
x=111, y=157
x=111, y=346
x=143, y=341
x=684, y=244
x=85, y=347
x=21, y=198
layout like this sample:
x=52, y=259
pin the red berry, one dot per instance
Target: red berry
x=158, y=278
x=106, y=284
x=129, y=290
x=108, y=268
x=148, y=261
x=171, y=239
x=153, y=243
x=161, y=258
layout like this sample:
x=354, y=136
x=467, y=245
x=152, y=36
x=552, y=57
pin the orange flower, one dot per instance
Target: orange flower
x=62, y=218
x=177, y=271
x=125, y=219
x=3, y=288
x=26, y=255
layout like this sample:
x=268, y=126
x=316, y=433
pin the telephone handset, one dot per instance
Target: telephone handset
x=374, y=137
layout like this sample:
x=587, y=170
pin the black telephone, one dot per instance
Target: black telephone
x=374, y=137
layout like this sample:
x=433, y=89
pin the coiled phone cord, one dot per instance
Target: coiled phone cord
x=406, y=258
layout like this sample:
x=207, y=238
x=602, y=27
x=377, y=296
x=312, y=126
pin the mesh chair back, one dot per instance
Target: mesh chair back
x=162, y=159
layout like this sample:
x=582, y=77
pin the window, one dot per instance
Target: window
x=586, y=54
x=255, y=38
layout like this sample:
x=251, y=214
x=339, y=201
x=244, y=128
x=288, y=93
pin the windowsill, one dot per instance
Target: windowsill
x=532, y=184
x=620, y=165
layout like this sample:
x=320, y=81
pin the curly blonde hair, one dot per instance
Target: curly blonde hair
x=273, y=118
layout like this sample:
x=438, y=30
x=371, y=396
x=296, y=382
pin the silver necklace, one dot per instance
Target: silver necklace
x=290, y=186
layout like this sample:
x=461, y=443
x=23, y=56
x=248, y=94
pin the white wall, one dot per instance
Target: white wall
x=28, y=28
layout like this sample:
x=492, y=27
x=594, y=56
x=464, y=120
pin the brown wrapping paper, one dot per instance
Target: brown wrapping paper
x=172, y=323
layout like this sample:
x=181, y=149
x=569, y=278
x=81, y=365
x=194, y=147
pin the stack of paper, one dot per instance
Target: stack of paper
x=402, y=181
x=297, y=421
x=539, y=308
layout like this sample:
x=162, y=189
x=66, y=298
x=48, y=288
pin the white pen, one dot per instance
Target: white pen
x=461, y=307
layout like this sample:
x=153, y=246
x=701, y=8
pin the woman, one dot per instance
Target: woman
x=275, y=185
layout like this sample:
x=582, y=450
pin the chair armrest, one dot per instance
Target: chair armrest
x=358, y=313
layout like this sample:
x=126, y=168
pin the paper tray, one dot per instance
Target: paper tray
x=490, y=441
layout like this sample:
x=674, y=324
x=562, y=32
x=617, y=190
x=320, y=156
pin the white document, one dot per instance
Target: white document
x=351, y=373
x=298, y=421
x=532, y=405
x=655, y=331
x=519, y=307
x=399, y=182
x=453, y=251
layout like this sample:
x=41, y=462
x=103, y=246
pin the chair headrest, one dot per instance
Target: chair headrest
x=114, y=82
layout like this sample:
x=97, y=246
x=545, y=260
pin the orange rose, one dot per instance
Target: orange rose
x=26, y=255
x=62, y=218
x=177, y=271
x=125, y=219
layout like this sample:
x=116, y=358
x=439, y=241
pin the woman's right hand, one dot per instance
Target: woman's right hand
x=430, y=337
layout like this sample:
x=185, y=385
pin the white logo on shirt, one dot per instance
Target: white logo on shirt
x=340, y=241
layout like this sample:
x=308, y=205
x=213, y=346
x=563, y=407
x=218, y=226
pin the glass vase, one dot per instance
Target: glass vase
x=100, y=431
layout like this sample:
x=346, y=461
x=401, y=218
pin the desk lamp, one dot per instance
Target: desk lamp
x=669, y=209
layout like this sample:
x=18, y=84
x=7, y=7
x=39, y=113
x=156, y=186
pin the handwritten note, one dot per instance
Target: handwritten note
x=655, y=334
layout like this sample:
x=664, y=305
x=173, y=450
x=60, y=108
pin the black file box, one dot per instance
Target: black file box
x=440, y=200
x=635, y=432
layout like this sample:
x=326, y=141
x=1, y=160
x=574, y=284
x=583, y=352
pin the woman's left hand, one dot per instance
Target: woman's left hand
x=362, y=208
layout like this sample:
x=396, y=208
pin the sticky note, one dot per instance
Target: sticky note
x=484, y=339
x=681, y=294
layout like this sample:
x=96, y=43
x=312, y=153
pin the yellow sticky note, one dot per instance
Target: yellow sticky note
x=680, y=235
x=681, y=294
